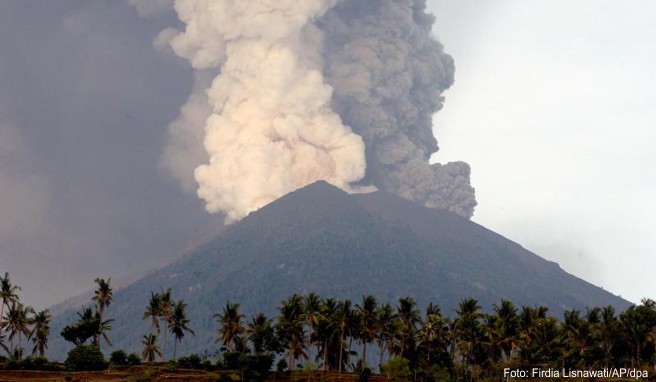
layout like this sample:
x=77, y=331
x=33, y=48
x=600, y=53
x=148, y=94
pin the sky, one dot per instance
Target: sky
x=549, y=107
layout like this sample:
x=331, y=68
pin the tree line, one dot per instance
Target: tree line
x=315, y=333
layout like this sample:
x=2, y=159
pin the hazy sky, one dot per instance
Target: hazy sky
x=549, y=107
x=552, y=108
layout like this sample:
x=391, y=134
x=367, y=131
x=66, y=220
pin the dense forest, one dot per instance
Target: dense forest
x=311, y=332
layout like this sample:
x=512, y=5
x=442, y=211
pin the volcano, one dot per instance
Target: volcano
x=323, y=240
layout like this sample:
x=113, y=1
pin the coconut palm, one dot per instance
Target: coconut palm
x=178, y=323
x=325, y=331
x=409, y=317
x=345, y=325
x=290, y=330
x=507, y=326
x=166, y=306
x=154, y=310
x=311, y=311
x=467, y=328
x=103, y=296
x=434, y=335
x=369, y=323
x=17, y=321
x=230, y=325
x=151, y=349
x=260, y=332
x=389, y=328
x=7, y=293
x=40, y=332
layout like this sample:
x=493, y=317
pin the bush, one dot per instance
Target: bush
x=364, y=374
x=31, y=363
x=85, y=358
x=282, y=366
x=397, y=369
x=133, y=359
x=171, y=366
x=191, y=362
x=118, y=357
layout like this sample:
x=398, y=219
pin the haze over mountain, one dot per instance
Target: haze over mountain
x=321, y=239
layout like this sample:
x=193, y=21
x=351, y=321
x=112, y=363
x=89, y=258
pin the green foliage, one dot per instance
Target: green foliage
x=281, y=366
x=364, y=374
x=133, y=359
x=118, y=357
x=191, y=362
x=171, y=366
x=397, y=369
x=31, y=363
x=251, y=368
x=85, y=358
x=80, y=332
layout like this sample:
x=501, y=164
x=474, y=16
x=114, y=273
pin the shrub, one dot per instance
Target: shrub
x=364, y=374
x=30, y=363
x=118, y=357
x=397, y=369
x=171, y=366
x=282, y=366
x=85, y=358
x=191, y=362
x=133, y=359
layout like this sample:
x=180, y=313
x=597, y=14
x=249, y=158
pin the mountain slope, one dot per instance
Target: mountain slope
x=320, y=239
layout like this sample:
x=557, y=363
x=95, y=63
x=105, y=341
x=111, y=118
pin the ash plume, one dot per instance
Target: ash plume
x=342, y=91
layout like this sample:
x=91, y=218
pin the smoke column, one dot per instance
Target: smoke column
x=388, y=74
x=309, y=90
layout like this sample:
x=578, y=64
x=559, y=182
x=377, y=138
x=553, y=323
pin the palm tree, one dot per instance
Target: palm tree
x=40, y=332
x=166, y=305
x=103, y=296
x=311, y=310
x=178, y=324
x=467, y=328
x=154, y=310
x=230, y=325
x=260, y=332
x=506, y=314
x=325, y=331
x=17, y=321
x=369, y=325
x=390, y=326
x=345, y=324
x=409, y=316
x=290, y=329
x=151, y=349
x=7, y=293
x=608, y=331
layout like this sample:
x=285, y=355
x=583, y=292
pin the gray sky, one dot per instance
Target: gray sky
x=549, y=107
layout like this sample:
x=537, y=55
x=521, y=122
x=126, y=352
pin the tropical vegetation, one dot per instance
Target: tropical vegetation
x=310, y=332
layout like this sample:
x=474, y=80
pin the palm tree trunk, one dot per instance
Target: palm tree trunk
x=341, y=353
x=175, y=349
x=309, y=342
x=364, y=353
x=325, y=353
x=164, y=347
